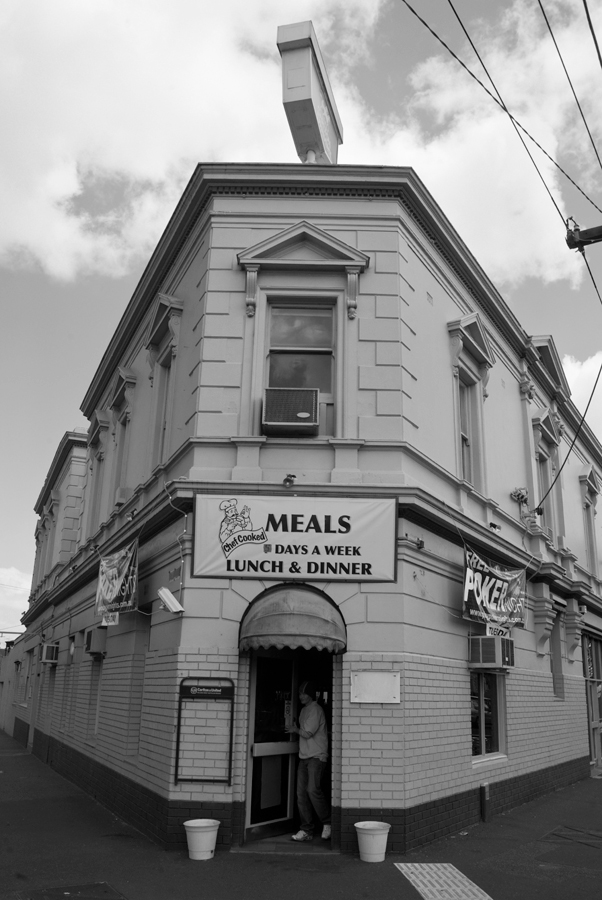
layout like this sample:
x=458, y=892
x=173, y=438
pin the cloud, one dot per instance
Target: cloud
x=109, y=107
x=467, y=152
x=14, y=593
x=99, y=95
x=581, y=377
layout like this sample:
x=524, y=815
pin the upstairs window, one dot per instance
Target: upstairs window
x=590, y=488
x=301, y=353
x=162, y=345
x=469, y=435
x=545, y=475
x=97, y=441
x=471, y=360
x=301, y=348
x=121, y=408
x=547, y=435
x=297, y=327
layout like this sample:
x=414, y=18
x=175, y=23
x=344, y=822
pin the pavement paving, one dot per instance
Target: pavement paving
x=57, y=842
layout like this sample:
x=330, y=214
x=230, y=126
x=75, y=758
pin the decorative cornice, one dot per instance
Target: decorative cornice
x=69, y=442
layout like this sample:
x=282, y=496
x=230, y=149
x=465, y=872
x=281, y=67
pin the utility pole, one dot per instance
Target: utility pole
x=578, y=238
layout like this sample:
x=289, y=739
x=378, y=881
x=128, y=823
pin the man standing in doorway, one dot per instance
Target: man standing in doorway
x=313, y=755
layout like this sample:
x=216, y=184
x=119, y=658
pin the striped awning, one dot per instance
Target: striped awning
x=293, y=617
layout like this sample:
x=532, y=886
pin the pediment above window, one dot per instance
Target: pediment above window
x=470, y=333
x=99, y=423
x=126, y=381
x=303, y=247
x=545, y=426
x=590, y=484
x=165, y=320
x=548, y=354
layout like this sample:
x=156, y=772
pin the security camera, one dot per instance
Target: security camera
x=169, y=602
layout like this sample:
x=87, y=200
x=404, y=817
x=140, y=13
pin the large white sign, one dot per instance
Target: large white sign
x=295, y=538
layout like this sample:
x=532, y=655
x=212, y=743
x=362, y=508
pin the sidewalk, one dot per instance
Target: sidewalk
x=54, y=839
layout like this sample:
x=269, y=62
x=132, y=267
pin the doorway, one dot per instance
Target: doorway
x=272, y=761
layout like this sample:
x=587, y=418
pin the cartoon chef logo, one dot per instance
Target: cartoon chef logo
x=236, y=528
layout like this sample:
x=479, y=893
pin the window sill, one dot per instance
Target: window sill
x=490, y=758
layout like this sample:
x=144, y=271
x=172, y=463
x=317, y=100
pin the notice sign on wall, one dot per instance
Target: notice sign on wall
x=295, y=538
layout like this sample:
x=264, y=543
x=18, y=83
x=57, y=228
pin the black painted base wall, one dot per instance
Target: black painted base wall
x=162, y=820
x=430, y=821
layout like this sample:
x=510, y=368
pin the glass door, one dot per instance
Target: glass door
x=274, y=704
x=273, y=751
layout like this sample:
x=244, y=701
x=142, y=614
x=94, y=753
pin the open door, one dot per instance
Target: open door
x=273, y=754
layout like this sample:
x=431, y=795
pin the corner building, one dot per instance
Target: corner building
x=314, y=354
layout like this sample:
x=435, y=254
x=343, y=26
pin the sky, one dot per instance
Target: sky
x=107, y=107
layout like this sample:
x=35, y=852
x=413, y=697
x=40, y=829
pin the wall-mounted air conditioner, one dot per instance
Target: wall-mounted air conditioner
x=290, y=411
x=490, y=652
x=50, y=653
x=96, y=641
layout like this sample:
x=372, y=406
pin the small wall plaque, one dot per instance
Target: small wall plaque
x=375, y=687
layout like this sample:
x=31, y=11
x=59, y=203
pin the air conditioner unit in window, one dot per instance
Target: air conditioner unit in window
x=96, y=641
x=50, y=653
x=291, y=411
x=490, y=652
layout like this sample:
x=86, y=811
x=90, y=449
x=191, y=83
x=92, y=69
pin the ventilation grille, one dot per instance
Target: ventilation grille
x=291, y=411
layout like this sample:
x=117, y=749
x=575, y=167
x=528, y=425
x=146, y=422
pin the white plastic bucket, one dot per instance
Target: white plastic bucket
x=201, y=835
x=372, y=840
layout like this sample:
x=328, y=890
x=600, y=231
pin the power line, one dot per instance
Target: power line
x=573, y=442
x=543, y=12
x=505, y=108
x=517, y=125
x=591, y=397
x=593, y=33
x=591, y=274
x=495, y=100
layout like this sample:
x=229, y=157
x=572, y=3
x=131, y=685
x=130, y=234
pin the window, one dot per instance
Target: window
x=26, y=673
x=301, y=353
x=546, y=437
x=97, y=435
x=468, y=439
x=545, y=476
x=318, y=284
x=486, y=702
x=162, y=384
x=96, y=469
x=471, y=360
x=590, y=488
x=592, y=672
x=94, y=698
x=557, y=642
x=121, y=406
x=162, y=345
